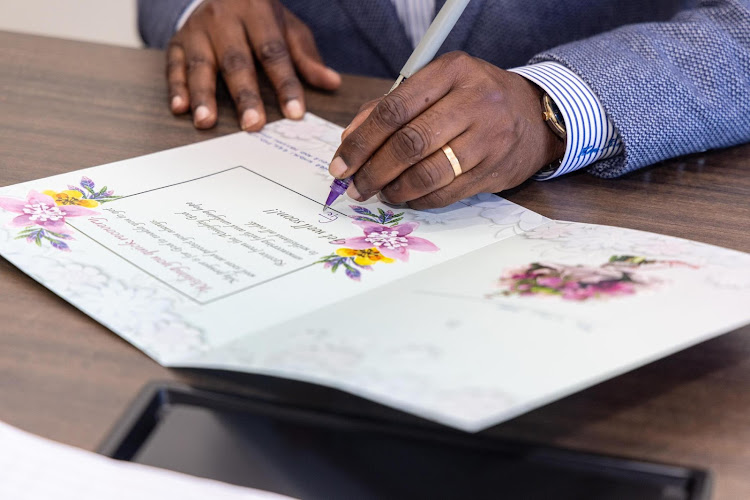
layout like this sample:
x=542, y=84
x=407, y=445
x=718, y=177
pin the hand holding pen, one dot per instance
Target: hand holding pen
x=455, y=128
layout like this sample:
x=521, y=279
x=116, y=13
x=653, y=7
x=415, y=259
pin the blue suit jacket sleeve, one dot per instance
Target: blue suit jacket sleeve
x=670, y=88
x=157, y=20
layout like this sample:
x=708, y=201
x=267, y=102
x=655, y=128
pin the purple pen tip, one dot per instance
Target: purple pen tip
x=338, y=187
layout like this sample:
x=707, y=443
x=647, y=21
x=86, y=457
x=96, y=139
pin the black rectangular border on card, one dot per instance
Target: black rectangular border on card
x=193, y=299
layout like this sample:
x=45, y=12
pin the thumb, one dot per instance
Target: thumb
x=362, y=114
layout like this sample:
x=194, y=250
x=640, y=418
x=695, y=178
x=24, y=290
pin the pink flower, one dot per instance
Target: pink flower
x=392, y=241
x=41, y=210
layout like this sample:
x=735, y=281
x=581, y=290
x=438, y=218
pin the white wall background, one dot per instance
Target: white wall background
x=106, y=21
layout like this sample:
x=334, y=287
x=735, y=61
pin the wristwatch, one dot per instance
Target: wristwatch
x=553, y=116
x=556, y=122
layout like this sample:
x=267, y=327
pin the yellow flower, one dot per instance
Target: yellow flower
x=365, y=257
x=70, y=197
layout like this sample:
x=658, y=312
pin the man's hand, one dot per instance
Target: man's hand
x=491, y=118
x=229, y=36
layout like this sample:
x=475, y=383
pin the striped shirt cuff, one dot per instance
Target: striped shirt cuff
x=591, y=134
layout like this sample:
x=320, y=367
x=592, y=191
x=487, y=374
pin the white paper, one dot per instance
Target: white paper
x=35, y=468
x=217, y=255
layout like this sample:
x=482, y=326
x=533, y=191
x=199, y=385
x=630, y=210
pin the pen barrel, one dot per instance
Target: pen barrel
x=434, y=37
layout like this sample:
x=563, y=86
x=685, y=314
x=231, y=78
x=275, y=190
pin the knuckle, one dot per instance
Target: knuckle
x=235, y=60
x=425, y=177
x=455, y=56
x=196, y=62
x=273, y=51
x=211, y=10
x=173, y=64
x=410, y=143
x=391, y=111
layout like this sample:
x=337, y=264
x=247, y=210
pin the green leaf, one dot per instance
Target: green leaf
x=395, y=221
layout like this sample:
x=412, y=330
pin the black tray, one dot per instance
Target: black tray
x=314, y=455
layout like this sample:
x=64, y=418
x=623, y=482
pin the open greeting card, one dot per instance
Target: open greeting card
x=219, y=255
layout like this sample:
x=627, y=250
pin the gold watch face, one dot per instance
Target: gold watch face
x=552, y=116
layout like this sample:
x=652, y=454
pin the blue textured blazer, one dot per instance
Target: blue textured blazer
x=673, y=75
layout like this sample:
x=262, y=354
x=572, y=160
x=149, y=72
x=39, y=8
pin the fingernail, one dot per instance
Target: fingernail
x=294, y=109
x=250, y=118
x=333, y=75
x=337, y=167
x=177, y=102
x=352, y=192
x=201, y=114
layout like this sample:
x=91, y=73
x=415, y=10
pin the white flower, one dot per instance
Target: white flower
x=730, y=279
x=454, y=212
x=505, y=213
x=43, y=213
x=170, y=338
x=387, y=239
x=126, y=308
x=586, y=237
x=550, y=231
x=67, y=277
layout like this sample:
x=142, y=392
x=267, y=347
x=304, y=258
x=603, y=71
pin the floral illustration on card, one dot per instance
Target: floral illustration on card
x=386, y=239
x=42, y=215
x=620, y=275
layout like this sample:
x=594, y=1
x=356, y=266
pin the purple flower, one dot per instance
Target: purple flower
x=361, y=210
x=393, y=241
x=87, y=183
x=60, y=245
x=353, y=273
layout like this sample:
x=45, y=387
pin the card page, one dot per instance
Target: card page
x=512, y=326
x=184, y=250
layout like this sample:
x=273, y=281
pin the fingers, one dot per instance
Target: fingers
x=305, y=55
x=236, y=65
x=461, y=187
x=433, y=173
x=201, y=79
x=409, y=145
x=394, y=111
x=271, y=50
x=362, y=114
x=179, y=99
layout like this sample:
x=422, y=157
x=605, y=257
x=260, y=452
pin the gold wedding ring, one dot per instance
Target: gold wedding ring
x=452, y=158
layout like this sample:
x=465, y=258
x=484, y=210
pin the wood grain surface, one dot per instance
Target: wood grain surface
x=68, y=105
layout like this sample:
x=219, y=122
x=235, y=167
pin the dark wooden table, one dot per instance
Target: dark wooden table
x=68, y=105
